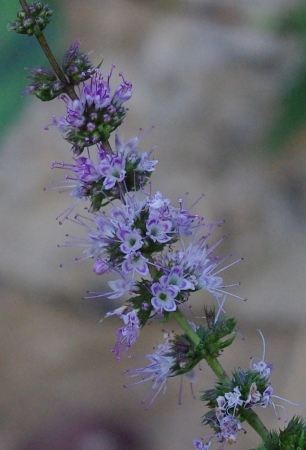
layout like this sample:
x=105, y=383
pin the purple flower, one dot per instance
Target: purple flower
x=101, y=266
x=157, y=230
x=266, y=397
x=164, y=297
x=254, y=394
x=85, y=170
x=112, y=169
x=120, y=287
x=131, y=240
x=263, y=368
x=199, y=445
x=158, y=371
x=135, y=262
x=145, y=164
x=122, y=93
x=177, y=278
x=158, y=203
x=129, y=333
x=233, y=398
x=229, y=426
x=210, y=282
x=75, y=116
x=266, y=400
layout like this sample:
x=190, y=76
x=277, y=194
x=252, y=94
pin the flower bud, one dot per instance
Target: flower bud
x=32, y=21
x=76, y=65
x=44, y=84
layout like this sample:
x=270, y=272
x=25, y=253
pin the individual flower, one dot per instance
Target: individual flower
x=157, y=230
x=120, y=287
x=127, y=334
x=266, y=400
x=254, y=395
x=199, y=445
x=158, y=371
x=263, y=368
x=233, y=399
x=123, y=92
x=220, y=410
x=112, y=170
x=135, y=262
x=163, y=297
x=229, y=426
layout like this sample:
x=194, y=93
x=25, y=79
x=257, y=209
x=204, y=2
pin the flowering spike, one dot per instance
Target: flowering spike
x=157, y=254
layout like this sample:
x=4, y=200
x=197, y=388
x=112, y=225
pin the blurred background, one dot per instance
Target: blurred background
x=224, y=84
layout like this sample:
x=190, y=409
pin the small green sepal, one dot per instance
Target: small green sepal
x=212, y=336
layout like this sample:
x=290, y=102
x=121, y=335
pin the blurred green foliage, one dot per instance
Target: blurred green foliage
x=291, y=116
x=18, y=52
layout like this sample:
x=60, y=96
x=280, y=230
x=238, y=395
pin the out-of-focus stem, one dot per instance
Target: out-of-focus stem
x=46, y=49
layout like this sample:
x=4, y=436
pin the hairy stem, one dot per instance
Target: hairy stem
x=179, y=317
x=254, y=421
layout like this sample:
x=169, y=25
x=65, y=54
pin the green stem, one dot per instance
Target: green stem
x=44, y=45
x=178, y=316
x=217, y=368
x=248, y=415
x=254, y=421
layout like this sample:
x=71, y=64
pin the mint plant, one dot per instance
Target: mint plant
x=157, y=254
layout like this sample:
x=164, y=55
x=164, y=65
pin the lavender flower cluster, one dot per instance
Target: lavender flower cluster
x=141, y=240
x=95, y=114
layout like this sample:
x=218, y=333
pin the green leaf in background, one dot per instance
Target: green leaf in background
x=18, y=52
x=291, y=117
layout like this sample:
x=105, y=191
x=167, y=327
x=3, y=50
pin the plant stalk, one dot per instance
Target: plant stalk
x=248, y=415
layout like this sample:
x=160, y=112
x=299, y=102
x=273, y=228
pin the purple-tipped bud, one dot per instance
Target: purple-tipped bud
x=76, y=65
x=44, y=84
x=32, y=21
